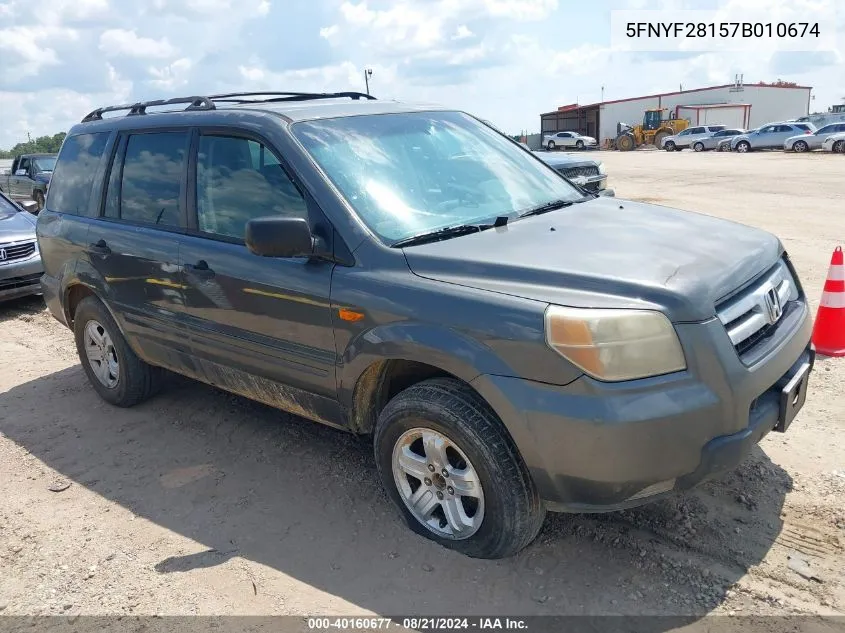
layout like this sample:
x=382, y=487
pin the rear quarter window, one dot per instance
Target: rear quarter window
x=76, y=169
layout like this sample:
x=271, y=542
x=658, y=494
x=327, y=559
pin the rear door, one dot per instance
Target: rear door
x=260, y=326
x=134, y=247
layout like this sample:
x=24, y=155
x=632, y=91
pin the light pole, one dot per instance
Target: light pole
x=367, y=74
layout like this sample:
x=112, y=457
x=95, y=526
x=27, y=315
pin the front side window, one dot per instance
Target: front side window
x=76, y=168
x=411, y=173
x=239, y=179
x=152, y=178
x=24, y=165
x=686, y=132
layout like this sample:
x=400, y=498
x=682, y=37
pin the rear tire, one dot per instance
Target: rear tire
x=448, y=414
x=119, y=376
x=698, y=147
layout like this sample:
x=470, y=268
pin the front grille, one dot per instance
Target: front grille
x=755, y=313
x=574, y=172
x=16, y=250
x=19, y=282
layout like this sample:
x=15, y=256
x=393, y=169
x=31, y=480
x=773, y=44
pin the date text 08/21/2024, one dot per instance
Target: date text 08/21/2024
x=722, y=30
x=416, y=623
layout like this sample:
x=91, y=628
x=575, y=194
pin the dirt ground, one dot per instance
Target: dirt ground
x=199, y=502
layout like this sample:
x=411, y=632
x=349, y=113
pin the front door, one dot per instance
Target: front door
x=259, y=326
x=21, y=184
x=134, y=247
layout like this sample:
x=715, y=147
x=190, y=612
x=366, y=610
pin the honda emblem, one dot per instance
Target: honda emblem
x=2, y=255
x=773, y=307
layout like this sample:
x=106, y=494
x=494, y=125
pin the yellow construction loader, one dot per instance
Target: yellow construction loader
x=652, y=131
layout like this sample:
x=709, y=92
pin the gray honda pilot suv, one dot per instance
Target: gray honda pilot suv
x=511, y=342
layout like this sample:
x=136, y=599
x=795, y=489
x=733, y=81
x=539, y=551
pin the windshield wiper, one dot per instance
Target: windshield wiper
x=439, y=234
x=554, y=205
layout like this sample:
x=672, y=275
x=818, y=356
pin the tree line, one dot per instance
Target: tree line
x=40, y=145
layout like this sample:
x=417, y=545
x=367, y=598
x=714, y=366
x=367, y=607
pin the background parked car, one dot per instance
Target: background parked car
x=834, y=143
x=714, y=140
x=568, y=139
x=20, y=261
x=770, y=136
x=585, y=172
x=807, y=142
x=29, y=178
x=689, y=137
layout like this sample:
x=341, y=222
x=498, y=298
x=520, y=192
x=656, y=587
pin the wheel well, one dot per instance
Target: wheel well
x=75, y=294
x=380, y=383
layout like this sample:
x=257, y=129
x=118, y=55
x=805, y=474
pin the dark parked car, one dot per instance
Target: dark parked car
x=588, y=173
x=511, y=343
x=20, y=262
x=29, y=178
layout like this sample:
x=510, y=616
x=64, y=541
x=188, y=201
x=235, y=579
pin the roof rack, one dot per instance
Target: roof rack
x=233, y=97
x=207, y=103
x=196, y=103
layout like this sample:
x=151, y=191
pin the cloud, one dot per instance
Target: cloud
x=462, y=32
x=328, y=32
x=172, y=75
x=124, y=42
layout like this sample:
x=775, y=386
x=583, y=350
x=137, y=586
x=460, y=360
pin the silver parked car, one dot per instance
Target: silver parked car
x=689, y=137
x=715, y=140
x=20, y=261
x=834, y=143
x=807, y=142
x=770, y=136
x=588, y=173
x=568, y=139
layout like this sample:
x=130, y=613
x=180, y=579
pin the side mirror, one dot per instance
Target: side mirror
x=29, y=205
x=277, y=236
x=21, y=172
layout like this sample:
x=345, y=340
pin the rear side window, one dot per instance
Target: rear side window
x=76, y=168
x=801, y=126
x=151, y=180
x=697, y=130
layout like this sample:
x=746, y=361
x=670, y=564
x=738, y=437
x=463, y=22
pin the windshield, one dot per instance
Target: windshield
x=7, y=207
x=45, y=163
x=412, y=173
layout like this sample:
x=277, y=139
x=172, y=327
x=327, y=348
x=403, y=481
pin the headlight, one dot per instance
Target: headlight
x=602, y=169
x=615, y=345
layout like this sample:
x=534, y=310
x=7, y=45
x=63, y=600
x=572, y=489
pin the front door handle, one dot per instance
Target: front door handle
x=100, y=248
x=200, y=269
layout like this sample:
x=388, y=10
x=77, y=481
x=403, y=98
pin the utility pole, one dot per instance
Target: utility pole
x=367, y=74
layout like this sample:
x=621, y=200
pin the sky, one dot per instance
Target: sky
x=504, y=60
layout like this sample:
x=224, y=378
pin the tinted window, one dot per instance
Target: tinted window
x=697, y=130
x=152, y=177
x=23, y=164
x=76, y=168
x=802, y=126
x=686, y=132
x=412, y=173
x=237, y=180
x=45, y=163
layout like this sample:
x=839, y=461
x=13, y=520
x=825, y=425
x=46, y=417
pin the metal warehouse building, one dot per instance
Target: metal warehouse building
x=735, y=105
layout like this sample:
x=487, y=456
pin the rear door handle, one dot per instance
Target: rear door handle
x=200, y=270
x=100, y=248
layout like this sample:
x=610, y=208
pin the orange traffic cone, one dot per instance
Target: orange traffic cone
x=829, y=330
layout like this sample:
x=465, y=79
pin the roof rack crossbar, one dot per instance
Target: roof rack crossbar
x=288, y=96
x=195, y=103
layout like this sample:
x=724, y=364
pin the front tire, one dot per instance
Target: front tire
x=579, y=145
x=115, y=372
x=800, y=146
x=450, y=467
x=839, y=147
x=551, y=146
x=670, y=146
x=743, y=147
x=39, y=199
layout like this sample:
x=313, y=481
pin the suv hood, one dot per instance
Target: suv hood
x=16, y=225
x=607, y=253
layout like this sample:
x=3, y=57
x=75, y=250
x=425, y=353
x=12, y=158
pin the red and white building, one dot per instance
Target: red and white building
x=734, y=105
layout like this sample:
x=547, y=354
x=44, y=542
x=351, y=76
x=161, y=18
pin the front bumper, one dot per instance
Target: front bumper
x=593, y=447
x=21, y=278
